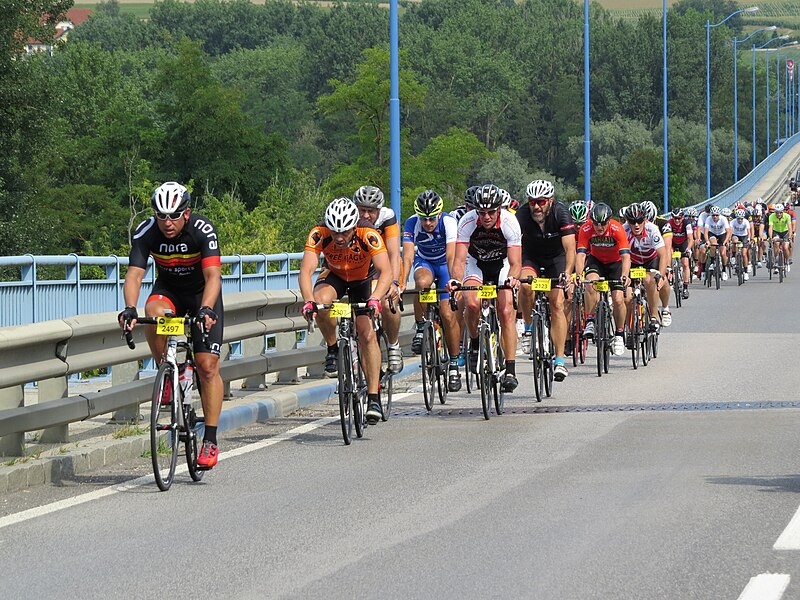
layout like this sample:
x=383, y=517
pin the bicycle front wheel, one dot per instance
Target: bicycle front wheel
x=548, y=358
x=428, y=366
x=346, y=391
x=190, y=420
x=599, y=331
x=359, y=395
x=164, y=427
x=485, y=370
x=536, y=354
x=442, y=362
x=500, y=365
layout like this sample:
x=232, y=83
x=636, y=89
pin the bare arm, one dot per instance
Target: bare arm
x=408, y=260
x=307, y=267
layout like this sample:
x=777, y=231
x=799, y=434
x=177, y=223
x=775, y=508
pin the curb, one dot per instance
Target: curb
x=100, y=453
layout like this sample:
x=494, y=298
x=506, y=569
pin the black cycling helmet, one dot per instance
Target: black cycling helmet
x=469, y=197
x=488, y=197
x=708, y=208
x=636, y=212
x=677, y=212
x=601, y=213
x=428, y=204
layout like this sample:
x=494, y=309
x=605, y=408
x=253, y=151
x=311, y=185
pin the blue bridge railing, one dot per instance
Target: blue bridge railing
x=28, y=298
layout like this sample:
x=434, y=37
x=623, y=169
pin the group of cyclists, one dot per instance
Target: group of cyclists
x=490, y=239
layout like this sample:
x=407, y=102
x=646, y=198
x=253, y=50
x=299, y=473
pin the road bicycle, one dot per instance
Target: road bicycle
x=713, y=270
x=780, y=260
x=434, y=356
x=173, y=419
x=491, y=360
x=643, y=335
x=739, y=262
x=352, y=384
x=603, y=327
x=542, y=352
x=577, y=324
x=676, y=272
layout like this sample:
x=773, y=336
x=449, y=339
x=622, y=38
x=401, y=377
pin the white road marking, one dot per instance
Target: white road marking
x=790, y=538
x=767, y=586
x=40, y=511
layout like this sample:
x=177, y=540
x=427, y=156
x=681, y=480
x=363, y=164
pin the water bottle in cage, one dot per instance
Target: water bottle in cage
x=186, y=380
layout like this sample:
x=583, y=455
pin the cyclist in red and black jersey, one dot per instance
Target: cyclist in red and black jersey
x=683, y=241
x=185, y=249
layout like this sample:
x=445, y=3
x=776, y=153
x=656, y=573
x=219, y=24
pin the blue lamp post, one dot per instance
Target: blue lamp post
x=753, y=54
x=394, y=110
x=708, y=90
x=736, y=100
x=664, y=86
x=587, y=148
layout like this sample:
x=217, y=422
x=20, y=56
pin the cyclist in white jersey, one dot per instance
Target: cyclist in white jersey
x=489, y=250
x=699, y=250
x=742, y=231
x=716, y=234
x=649, y=251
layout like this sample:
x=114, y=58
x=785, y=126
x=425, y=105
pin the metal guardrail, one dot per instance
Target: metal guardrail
x=49, y=352
x=31, y=299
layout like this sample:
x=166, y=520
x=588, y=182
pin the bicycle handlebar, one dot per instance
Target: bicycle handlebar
x=187, y=320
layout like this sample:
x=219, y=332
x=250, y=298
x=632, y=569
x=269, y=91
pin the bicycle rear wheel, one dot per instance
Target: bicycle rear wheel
x=164, y=427
x=190, y=420
x=781, y=266
x=718, y=271
x=428, y=357
x=634, y=332
x=485, y=370
x=346, y=391
x=599, y=330
x=548, y=357
x=500, y=365
x=608, y=336
x=677, y=281
x=469, y=376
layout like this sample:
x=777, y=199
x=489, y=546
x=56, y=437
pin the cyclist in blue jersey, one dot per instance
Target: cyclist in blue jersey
x=433, y=234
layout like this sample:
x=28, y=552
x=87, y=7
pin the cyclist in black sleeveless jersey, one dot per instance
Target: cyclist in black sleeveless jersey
x=185, y=249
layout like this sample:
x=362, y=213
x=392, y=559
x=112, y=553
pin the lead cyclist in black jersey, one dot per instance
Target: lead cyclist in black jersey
x=185, y=249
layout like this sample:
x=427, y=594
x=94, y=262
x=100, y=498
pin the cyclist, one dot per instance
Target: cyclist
x=603, y=251
x=185, y=248
x=787, y=207
x=779, y=226
x=759, y=231
x=699, y=239
x=433, y=234
x=369, y=200
x=651, y=213
x=717, y=233
x=356, y=264
x=580, y=212
x=548, y=250
x=793, y=191
x=682, y=241
x=507, y=202
x=469, y=203
x=488, y=250
x=742, y=231
x=648, y=250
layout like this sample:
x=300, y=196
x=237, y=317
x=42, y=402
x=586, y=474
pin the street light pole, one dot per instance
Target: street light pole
x=587, y=147
x=666, y=151
x=394, y=110
x=736, y=100
x=708, y=90
x=753, y=55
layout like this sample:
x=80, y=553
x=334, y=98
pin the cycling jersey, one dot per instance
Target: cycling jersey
x=680, y=231
x=701, y=220
x=644, y=248
x=459, y=212
x=180, y=260
x=607, y=247
x=386, y=223
x=716, y=228
x=432, y=246
x=543, y=242
x=489, y=245
x=780, y=225
x=740, y=229
x=353, y=263
x=663, y=226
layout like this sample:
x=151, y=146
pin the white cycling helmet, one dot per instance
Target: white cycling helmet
x=505, y=198
x=740, y=213
x=726, y=212
x=716, y=210
x=368, y=196
x=540, y=189
x=341, y=215
x=170, y=198
x=778, y=207
x=650, y=210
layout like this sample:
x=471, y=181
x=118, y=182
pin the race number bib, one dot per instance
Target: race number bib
x=541, y=284
x=341, y=310
x=170, y=326
x=638, y=273
x=428, y=297
x=487, y=292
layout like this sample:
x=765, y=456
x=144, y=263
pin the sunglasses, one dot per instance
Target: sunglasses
x=487, y=213
x=539, y=201
x=433, y=218
x=636, y=221
x=170, y=216
x=600, y=224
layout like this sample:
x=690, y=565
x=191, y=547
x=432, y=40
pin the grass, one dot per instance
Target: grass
x=128, y=430
x=163, y=448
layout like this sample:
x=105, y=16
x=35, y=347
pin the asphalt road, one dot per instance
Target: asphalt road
x=673, y=481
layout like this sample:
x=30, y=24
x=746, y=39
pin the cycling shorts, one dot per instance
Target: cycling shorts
x=607, y=271
x=183, y=304
x=441, y=274
x=551, y=267
x=486, y=272
x=744, y=239
x=682, y=247
x=356, y=291
x=783, y=235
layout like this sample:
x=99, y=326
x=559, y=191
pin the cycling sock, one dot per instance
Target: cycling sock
x=619, y=332
x=589, y=318
x=454, y=362
x=473, y=344
x=529, y=327
x=511, y=367
x=373, y=398
x=559, y=361
x=395, y=345
x=332, y=349
x=210, y=434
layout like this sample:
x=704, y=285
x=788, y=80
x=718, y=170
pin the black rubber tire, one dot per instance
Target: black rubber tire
x=428, y=362
x=164, y=424
x=346, y=391
x=190, y=418
x=485, y=371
